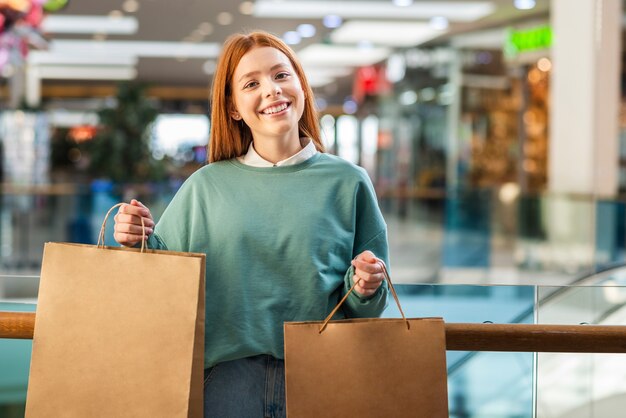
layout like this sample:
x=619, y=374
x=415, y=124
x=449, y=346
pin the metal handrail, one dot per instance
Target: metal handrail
x=459, y=336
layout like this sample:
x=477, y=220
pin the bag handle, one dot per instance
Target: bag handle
x=104, y=223
x=391, y=288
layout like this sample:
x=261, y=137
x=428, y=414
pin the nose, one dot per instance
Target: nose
x=272, y=89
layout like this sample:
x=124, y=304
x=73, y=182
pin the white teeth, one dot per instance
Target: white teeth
x=275, y=109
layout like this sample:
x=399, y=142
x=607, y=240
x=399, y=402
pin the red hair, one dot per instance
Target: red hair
x=230, y=138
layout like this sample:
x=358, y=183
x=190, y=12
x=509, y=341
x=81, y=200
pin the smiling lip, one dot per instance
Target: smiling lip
x=275, y=109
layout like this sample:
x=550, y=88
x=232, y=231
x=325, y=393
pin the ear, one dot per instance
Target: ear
x=232, y=111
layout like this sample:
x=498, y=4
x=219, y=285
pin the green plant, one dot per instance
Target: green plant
x=120, y=151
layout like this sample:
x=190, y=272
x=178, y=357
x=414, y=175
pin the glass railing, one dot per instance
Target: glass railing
x=579, y=385
x=480, y=384
x=472, y=237
x=14, y=364
x=547, y=385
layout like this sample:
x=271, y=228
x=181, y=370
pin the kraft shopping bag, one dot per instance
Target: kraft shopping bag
x=366, y=368
x=119, y=332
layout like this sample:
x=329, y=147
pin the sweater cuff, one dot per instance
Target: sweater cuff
x=356, y=296
x=155, y=243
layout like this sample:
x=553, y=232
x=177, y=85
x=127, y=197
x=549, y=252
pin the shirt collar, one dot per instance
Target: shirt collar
x=252, y=158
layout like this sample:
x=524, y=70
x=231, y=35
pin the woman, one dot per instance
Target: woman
x=287, y=229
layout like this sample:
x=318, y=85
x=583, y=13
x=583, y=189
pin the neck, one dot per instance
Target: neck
x=275, y=150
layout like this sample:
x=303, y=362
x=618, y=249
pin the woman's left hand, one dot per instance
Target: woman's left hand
x=368, y=273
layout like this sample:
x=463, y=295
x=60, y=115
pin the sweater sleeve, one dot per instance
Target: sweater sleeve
x=173, y=230
x=370, y=234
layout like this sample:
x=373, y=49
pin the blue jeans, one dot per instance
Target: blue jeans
x=252, y=387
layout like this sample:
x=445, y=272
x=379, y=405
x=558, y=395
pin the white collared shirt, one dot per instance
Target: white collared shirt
x=252, y=158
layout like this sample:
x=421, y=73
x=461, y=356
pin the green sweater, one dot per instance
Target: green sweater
x=279, y=242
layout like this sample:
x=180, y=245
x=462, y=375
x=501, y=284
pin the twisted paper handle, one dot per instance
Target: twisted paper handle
x=391, y=288
x=104, y=223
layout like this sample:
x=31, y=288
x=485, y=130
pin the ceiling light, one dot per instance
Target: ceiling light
x=246, y=8
x=408, y=98
x=403, y=3
x=320, y=104
x=292, y=38
x=112, y=25
x=306, y=30
x=524, y=4
x=50, y=58
x=66, y=119
x=365, y=44
x=327, y=72
x=321, y=55
x=85, y=72
x=136, y=48
x=350, y=107
x=332, y=21
x=427, y=94
x=7, y=71
x=303, y=9
x=224, y=18
x=322, y=76
x=206, y=28
x=196, y=36
x=487, y=39
x=544, y=64
x=396, y=68
x=439, y=23
x=209, y=67
x=386, y=33
x=130, y=6
x=316, y=82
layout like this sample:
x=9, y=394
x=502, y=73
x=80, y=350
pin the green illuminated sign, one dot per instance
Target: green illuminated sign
x=518, y=41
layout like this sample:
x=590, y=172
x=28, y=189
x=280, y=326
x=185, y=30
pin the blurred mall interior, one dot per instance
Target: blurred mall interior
x=494, y=132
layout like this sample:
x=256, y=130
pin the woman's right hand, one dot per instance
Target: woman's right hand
x=128, y=223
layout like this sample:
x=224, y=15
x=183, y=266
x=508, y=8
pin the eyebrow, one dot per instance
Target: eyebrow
x=251, y=73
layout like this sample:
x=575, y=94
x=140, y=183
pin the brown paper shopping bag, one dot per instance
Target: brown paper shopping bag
x=119, y=332
x=366, y=368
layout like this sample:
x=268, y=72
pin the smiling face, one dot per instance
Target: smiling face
x=267, y=95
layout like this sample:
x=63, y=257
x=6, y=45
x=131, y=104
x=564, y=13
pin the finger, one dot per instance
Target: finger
x=129, y=209
x=369, y=285
x=131, y=229
x=373, y=279
x=358, y=284
x=137, y=203
x=135, y=210
x=364, y=291
x=127, y=239
x=357, y=281
x=133, y=219
x=372, y=282
x=370, y=268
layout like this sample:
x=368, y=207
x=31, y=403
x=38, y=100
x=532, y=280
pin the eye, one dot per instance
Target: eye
x=282, y=75
x=250, y=84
